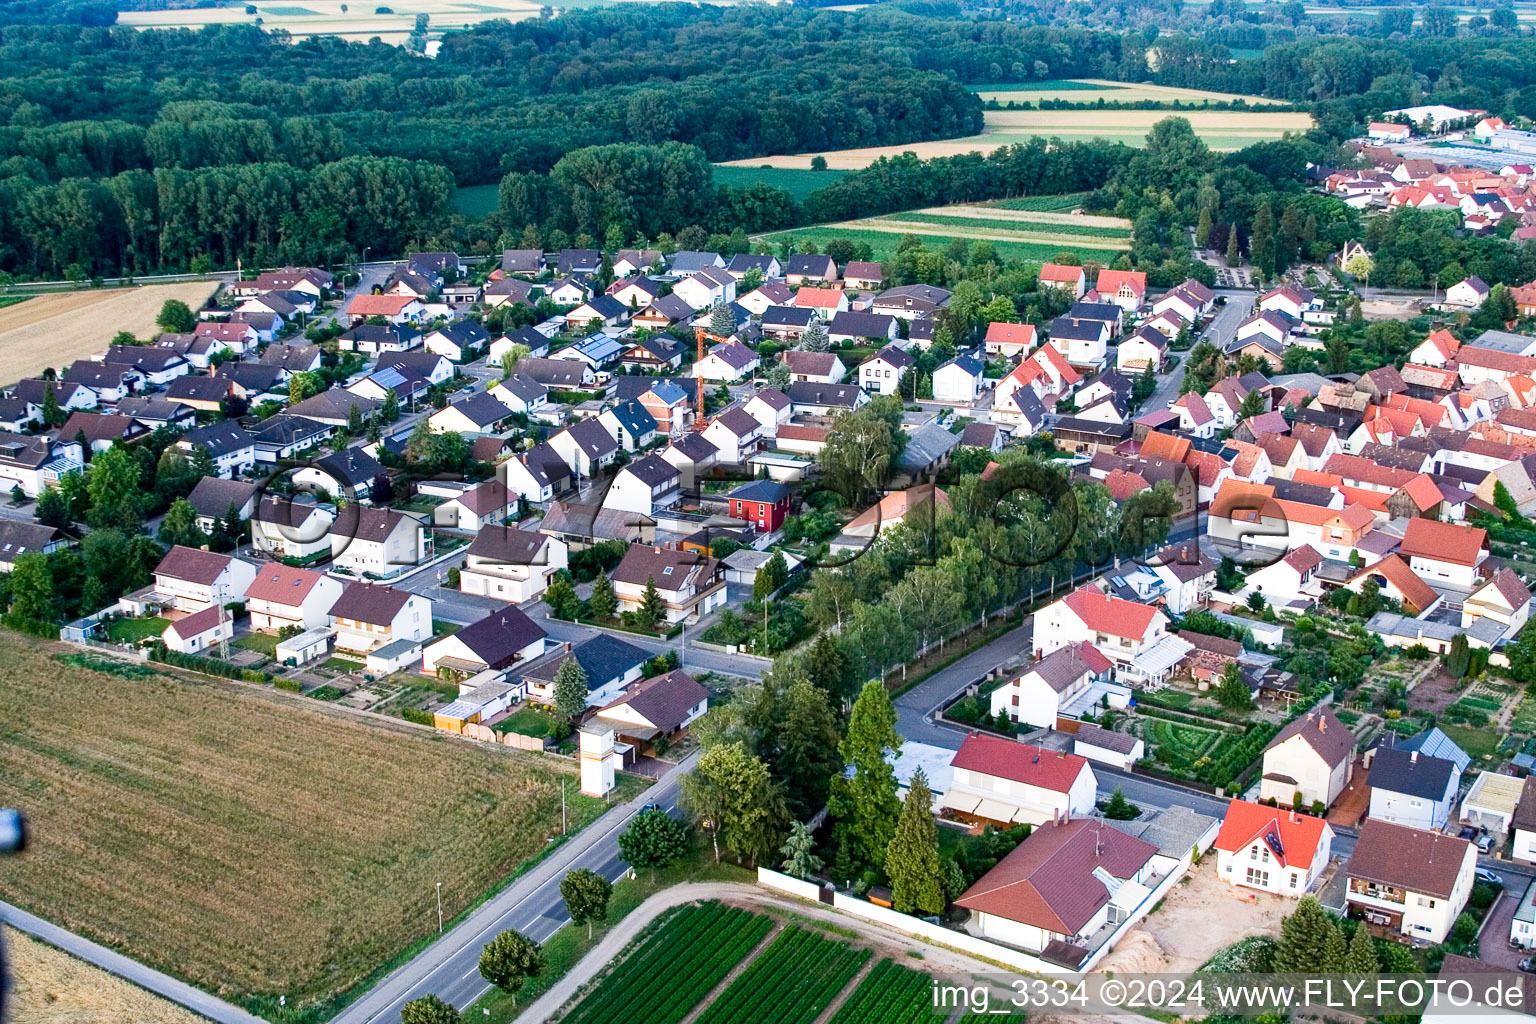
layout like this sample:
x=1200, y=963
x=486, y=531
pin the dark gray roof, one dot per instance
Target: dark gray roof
x=212, y=496
x=653, y=470
x=603, y=658
x=370, y=602
x=352, y=466
x=862, y=325
x=1077, y=330
x=19, y=538
x=1411, y=773
x=808, y=392
x=497, y=638
x=787, y=316
x=664, y=701
x=464, y=332
x=219, y=438
x=1106, y=311
x=482, y=409
x=593, y=438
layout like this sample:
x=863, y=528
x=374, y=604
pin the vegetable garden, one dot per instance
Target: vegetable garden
x=692, y=949
x=890, y=994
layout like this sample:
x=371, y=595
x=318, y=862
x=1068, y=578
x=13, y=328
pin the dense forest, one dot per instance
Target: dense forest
x=126, y=151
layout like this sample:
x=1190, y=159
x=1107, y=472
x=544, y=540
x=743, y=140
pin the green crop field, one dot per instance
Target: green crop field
x=797, y=181
x=890, y=994
x=883, y=243
x=790, y=983
x=1045, y=227
x=674, y=965
x=1042, y=204
x=475, y=200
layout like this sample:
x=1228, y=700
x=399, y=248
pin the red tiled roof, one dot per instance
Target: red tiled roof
x=1299, y=834
x=282, y=584
x=1011, y=334
x=1111, y=280
x=1033, y=766
x=1443, y=542
x=1104, y=614
x=1058, y=273
x=1417, y=594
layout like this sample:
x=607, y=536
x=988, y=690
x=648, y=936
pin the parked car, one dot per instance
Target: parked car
x=1468, y=832
x=1485, y=843
x=1484, y=875
x=1527, y=965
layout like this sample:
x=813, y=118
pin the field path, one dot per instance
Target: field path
x=180, y=992
x=905, y=227
x=935, y=958
x=1028, y=216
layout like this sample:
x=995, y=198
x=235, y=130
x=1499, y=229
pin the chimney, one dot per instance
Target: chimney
x=1322, y=723
x=1413, y=757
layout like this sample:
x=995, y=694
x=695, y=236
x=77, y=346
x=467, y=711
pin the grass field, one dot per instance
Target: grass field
x=475, y=200
x=52, y=987
x=131, y=631
x=1475, y=742
x=56, y=328
x=1028, y=235
x=253, y=847
x=1091, y=90
x=798, y=182
x=1221, y=129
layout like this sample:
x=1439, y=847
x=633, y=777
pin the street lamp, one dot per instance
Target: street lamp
x=439, y=908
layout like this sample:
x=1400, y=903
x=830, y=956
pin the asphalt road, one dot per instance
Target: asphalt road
x=1221, y=330
x=450, y=967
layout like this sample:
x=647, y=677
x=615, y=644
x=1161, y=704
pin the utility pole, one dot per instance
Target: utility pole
x=562, y=807
x=439, y=908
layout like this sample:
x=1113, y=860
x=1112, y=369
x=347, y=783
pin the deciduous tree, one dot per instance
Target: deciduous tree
x=653, y=840
x=586, y=896
x=510, y=959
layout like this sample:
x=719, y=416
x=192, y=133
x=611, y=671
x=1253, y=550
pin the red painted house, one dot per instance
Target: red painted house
x=763, y=503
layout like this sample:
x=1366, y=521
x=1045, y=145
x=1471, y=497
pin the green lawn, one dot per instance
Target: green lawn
x=131, y=631
x=1185, y=741
x=1476, y=742
x=262, y=643
x=339, y=664
x=441, y=628
x=475, y=200
x=883, y=244
x=797, y=181
x=527, y=722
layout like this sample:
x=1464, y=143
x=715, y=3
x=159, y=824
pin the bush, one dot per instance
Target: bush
x=291, y=685
x=207, y=666
x=418, y=716
x=31, y=627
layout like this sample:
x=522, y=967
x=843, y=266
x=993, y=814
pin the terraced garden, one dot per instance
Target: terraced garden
x=798, y=976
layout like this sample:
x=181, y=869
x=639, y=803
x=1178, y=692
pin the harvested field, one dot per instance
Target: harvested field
x=52, y=987
x=1195, y=920
x=56, y=328
x=1221, y=130
x=253, y=846
x=1091, y=90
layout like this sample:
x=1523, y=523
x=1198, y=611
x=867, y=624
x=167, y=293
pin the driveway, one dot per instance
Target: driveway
x=1493, y=943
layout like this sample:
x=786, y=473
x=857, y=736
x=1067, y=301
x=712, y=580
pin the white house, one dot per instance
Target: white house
x=726, y=362
x=1066, y=683
x=1005, y=782
x=585, y=446
x=283, y=597
x=959, y=381
x=1147, y=347
x=1524, y=826
x=189, y=579
x=1069, y=278
x=1468, y=294
x=1272, y=849
x=1504, y=599
x=1132, y=635
x=475, y=508
x=1444, y=553
x=376, y=541
x=705, y=288
x=690, y=585
x=1413, y=789
x=1314, y=755
x=736, y=434
x=1291, y=300
x=368, y=616
x=880, y=374
x=1410, y=880
x=511, y=564
x=644, y=487
x=198, y=632
x=291, y=529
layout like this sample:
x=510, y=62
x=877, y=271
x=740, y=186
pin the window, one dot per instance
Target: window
x=1015, y=700
x=667, y=571
x=1258, y=877
x=1295, y=879
x=1425, y=901
x=1253, y=853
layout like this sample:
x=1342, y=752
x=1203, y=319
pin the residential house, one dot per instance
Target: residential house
x=1523, y=825
x=509, y=291
x=1066, y=883
x=1003, y=782
x=786, y=324
x=282, y=437
x=582, y=526
x=370, y=616
x=1469, y=293
x=644, y=486
x=200, y=631
x=960, y=381
x=881, y=373
x=480, y=413
x=475, y=508
x=1272, y=849
x=1313, y=757
x=376, y=541
x=521, y=394
x=820, y=367
x=610, y=664
x=1132, y=635
x=459, y=341
x=102, y=430
x=863, y=276
x=824, y=302
x=586, y=447
x=1503, y=599
x=1146, y=348
x=1188, y=576
x=694, y=455
x=1125, y=288
x=726, y=362
x=205, y=394
x=1446, y=553
x=189, y=579
x=1084, y=343
x=283, y=597
x=1412, y=881
x=922, y=504
x=705, y=288
x=598, y=311
x=655, y=354
x=809, y=398
x=537, y=475
x=1010, y=341
x=1068, y=278
x=214, y=498
x=857, y=328
x=764, y=503
x=1065, y=684
x=813, y=269
x=766, y=265
x=578, y=261
x=691, y=586
x=665, y=400
x=396, y=309
x=911, y=301
x=1412, y=789
x=770, y=407
x=736, y=435
x=19, y=538
x=655, y=710
x=291, y=529
x=771, y=293
x=511, y=564
x=630, y=423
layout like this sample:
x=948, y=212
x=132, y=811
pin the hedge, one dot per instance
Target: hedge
x=418, y=716
x=31, y=627
x=291, y=685
x=207, y=666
